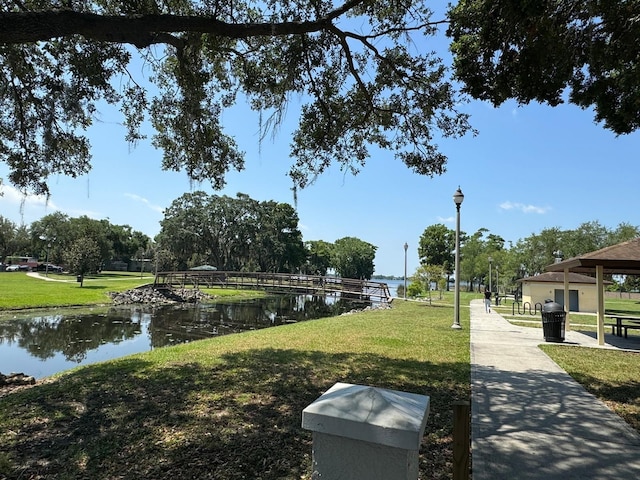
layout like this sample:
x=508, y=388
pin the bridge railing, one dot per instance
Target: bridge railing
x=285, y=282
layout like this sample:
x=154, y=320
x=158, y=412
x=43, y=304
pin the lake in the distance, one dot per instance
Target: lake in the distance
x=44, y=343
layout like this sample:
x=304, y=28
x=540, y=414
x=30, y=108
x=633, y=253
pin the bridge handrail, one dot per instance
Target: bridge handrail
x=315, y=283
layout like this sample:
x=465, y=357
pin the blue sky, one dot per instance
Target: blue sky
x=530, y=168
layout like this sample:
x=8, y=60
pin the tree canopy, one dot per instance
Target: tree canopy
x=232, y=233
x=353, y=258
x=354, y=66
x=548, y=50
x=362, y=70
x=437, y=246
x=83, y=256
x=482, y=251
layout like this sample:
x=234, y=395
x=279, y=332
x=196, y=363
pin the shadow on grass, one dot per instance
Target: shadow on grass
x=238, y=419
x=631, y=342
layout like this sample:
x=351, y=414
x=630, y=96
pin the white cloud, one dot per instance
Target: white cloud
x=13, y=196
x=524, y=208
x=24, y=209
x=446, y=219
x=85, y=213
x=146, y=202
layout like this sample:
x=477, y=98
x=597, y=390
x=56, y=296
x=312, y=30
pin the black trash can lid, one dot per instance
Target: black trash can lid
x=552, y=307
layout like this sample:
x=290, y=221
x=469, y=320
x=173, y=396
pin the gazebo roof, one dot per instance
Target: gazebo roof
x=558, y=277
x=621, y=259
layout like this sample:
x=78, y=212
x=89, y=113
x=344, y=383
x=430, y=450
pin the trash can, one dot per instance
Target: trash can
x=553, y=321
x=79, y=279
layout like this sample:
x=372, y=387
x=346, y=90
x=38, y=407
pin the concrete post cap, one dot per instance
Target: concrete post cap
x=376, y=415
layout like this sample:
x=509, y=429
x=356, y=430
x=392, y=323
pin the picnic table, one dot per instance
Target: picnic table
x=623, y=324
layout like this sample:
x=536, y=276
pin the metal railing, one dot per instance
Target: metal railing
x=279, y=282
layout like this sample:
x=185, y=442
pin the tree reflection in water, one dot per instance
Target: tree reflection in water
x=74, y=335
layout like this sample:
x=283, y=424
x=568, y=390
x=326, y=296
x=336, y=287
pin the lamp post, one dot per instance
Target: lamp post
x=458, y=197
x=157, y=252
x=490, y=267
x=46, y=267
x=46, y=264
x=405, y=269
x=141, y=262
x=497, y=287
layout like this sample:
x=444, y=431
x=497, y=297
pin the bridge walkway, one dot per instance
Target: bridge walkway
x=280, y=282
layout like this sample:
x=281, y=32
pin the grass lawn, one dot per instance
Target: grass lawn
x=19, y=290
x=230, y=407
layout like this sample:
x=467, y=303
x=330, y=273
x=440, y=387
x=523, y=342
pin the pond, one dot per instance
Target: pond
x=41, y=344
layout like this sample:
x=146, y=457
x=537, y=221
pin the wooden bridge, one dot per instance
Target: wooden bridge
x=350, y=288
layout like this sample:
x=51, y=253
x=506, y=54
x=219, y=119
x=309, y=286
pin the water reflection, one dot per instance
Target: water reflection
x=43, y=344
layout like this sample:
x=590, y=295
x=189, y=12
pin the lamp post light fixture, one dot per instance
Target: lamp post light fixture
x=405, y=269
x=458, y=197
x=557, y=256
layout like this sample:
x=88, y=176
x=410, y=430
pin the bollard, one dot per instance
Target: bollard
x=461, y=440
x=366, y=433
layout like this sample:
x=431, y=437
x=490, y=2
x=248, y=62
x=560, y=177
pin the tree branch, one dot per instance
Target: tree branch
x=141, y=30
x=352, y=68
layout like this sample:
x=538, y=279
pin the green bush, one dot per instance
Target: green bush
x=415, y=289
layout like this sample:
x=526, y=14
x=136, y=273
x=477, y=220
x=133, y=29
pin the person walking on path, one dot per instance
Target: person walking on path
x=487, y=300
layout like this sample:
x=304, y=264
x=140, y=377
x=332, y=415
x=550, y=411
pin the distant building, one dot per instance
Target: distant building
x=23, y=261
x=116, y=265
x=583, y=294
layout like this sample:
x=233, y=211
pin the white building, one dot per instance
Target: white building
x=583, y=294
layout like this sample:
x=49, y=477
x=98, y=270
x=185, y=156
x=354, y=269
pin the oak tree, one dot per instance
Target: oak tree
x=550, y=51
x=362, y=70
x=358, y=67
x=82, y=257
x=353, y=258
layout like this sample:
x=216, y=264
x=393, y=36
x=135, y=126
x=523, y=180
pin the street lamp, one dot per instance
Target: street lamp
x=405, y=269
x=458, y=197
x=141, y=262
x=46, y=267
x=490, y=260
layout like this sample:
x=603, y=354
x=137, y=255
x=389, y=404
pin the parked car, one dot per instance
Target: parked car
x=12, y=268
x=43, y=267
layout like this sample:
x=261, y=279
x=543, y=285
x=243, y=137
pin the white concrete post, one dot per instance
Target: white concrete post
x=366, y=433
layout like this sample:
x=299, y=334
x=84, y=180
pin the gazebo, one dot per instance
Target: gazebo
x=620, y=259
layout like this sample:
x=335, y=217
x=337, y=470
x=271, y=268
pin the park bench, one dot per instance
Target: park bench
x=623, y=324
x=629, y=327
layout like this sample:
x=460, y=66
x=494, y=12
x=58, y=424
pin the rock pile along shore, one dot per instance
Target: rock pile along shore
x=14, y=381
x=158, y=296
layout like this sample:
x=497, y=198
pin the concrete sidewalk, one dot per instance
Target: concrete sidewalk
x=530, y=419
